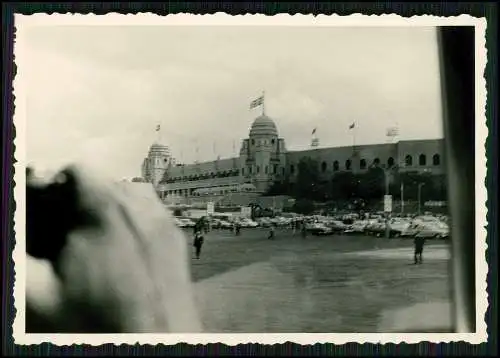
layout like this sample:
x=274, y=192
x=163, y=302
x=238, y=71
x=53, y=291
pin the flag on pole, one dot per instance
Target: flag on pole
x=314, y=131
x=157, y=127
x=257, y=102
x=392, y=132
x=352, y=125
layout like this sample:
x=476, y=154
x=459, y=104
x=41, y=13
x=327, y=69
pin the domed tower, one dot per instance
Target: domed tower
x=264, y=153
x=157, y=163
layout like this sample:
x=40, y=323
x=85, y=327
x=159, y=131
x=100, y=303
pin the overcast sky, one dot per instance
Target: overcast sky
x=99, y=92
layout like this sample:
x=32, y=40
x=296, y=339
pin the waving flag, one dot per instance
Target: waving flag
x=392, y=132
x=257, y=102
x=314, y=131
x=352, y=125
x=157, y=127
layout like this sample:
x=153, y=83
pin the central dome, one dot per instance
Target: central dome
x=159, y=149
x=263, y=125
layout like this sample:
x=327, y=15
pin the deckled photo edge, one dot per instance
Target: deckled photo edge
x=18, y=255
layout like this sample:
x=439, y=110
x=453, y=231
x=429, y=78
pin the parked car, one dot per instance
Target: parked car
x=225, y=224
x=434, y=230
x=411, y=231
x=397, y=227
x=247, y=223
x=318, y=229
x=357, y=227
x=184, y=222
x=264, y=222
x=338, y=227
x=376, y=228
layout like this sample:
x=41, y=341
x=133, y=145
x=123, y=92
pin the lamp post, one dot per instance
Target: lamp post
x=386, y=172
x=420, y=185
x=386, y=181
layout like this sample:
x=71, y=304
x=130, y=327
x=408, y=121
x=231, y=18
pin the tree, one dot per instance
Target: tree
x=308, y=183
x=278, y=188
x=371, y=184
x=434, y=186
x=303, y=206
x=343, y=186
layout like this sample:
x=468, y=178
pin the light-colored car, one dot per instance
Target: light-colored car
x=397, y=227
x=376, y=228
x=264, y=222
x=338, y=226
x=358, y=227
x=247, y=223
x=225, y=224
x=317, y=228
x=435, y=230
x=184, y=222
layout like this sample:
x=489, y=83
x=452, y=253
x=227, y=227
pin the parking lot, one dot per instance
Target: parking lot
x=248, y=283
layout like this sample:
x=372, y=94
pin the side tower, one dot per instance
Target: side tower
x=264, y=152
x=157, y=163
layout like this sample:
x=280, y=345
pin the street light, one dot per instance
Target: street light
x=420, y=185
x=386, y=183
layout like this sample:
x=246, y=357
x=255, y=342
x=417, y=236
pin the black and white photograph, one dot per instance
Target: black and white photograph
x=273, y=176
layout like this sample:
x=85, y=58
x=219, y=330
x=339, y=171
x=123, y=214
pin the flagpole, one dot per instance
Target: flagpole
x=263, y=103
x=402, y=197
x=234, y=154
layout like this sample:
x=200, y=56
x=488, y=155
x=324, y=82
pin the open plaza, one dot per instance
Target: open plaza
x=320, y=284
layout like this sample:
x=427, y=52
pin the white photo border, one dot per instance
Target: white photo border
x=22, y=22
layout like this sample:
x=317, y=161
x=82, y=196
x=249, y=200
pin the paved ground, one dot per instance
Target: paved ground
x=320, y=284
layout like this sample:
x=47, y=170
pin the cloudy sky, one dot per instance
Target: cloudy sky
x=99, y=92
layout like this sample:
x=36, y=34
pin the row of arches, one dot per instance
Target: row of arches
x=204, y=176
x=211, y=191
x=273, y=169
x=363, y=164
x=263, y=142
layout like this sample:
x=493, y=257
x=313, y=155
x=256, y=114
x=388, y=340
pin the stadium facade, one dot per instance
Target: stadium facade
x=264, y=159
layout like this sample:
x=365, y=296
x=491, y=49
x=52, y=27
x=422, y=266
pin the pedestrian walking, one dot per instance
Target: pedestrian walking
x=198, y=243
x=419, y=248
x=271, y=233
x=303, y=230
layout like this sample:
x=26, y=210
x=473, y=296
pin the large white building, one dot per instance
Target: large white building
x=263, y=159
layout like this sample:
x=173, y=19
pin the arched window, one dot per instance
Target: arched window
x=283, y=171
x=422, y=159
x=272, y=141
x=258, y=169
x=265, y=169
x=376, y=161
x=323, y=167
x=390, y=162
x=408, y=160
x=436, y=159
x=275, y=169
x=242, y=171
x=250, y=170
x=348, y=164
x=335, y=165
x=292, y=169
x=253, y=141
x=362, y=164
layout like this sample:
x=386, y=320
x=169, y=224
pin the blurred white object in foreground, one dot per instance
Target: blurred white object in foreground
x=127, y=274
